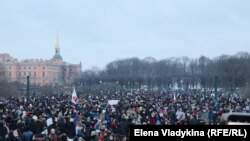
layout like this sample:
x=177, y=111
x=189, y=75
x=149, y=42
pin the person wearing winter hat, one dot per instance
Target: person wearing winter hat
x=71, y=132
x=52, y=135
x=93, y=136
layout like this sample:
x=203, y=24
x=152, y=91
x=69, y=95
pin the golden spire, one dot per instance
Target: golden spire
x=57, y=41
x=57, y=45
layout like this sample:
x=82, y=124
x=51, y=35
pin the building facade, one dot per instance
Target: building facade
x=41, y=72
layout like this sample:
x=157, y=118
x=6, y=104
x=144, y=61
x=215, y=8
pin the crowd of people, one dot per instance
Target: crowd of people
x=92, y=118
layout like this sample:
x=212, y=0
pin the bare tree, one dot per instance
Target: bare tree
x=232, y=71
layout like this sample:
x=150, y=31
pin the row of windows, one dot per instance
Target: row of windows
x=25, y=67
x=25, y=74
x=34, y=81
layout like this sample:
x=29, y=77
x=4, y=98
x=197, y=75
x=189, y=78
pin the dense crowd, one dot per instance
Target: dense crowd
x=93, y=119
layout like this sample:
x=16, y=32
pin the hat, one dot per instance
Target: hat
x=71, y=120
x=34, y=117
x=52, y=131
x=93, y=133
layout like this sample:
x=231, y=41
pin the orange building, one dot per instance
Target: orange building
x=54, y=71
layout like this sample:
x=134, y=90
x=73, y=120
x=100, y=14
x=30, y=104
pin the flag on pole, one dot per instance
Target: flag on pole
x=73, y=96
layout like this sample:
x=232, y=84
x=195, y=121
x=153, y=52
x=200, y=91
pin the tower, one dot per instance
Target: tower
x=57, y=55
x=57, y=45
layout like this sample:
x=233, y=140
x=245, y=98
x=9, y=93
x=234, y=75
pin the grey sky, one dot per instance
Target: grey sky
x=96, y=32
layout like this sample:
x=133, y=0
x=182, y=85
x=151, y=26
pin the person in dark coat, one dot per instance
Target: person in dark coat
x=39, y=126
x=27, y=134
x=71, y=132
x=32, y=126
x=3, y=131
x=62, y=126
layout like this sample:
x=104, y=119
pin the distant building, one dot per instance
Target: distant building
x=54, y=71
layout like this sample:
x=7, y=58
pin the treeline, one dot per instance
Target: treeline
x=232, y=72
x=8, y=88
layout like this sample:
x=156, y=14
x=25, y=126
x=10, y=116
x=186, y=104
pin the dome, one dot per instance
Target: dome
x=57, y=57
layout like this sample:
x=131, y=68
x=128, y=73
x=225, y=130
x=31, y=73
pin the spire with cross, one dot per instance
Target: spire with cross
x=57, y=55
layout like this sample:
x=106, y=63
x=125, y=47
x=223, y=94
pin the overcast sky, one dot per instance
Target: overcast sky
x=96, y=32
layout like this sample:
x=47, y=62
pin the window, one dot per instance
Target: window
x=34, y=67
x=9, y=67
x=24, y=67
x=29, y=73
x=9, y=73
x=19, y=67
x=29, y=67
x=20, y=74
x=43, y=74
x=34, y=73
x=43, y=67
x=24, y=73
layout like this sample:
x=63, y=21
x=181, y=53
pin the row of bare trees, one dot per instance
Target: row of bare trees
x=8, y=89
x=232, y=72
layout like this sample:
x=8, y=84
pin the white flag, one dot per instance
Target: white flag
x=73, y=96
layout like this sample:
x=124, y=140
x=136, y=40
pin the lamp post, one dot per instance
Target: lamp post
x=215, y=85
x=28, y=87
